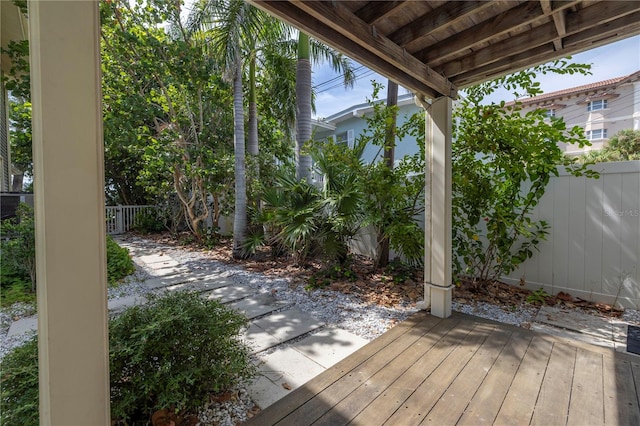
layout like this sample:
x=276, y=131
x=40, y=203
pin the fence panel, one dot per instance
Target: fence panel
x=120, y=219
x=593, y=248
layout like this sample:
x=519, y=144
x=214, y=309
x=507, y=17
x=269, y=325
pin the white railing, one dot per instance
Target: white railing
x=120, y=219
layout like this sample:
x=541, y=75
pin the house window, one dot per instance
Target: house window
x=596, y=134
x=550, y=113
x=597, y=105
x=346, y=137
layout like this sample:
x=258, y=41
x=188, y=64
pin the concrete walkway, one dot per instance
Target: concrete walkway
x=289, y=345
x=283, y=365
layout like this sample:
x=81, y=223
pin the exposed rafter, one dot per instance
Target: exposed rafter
x=434, y=47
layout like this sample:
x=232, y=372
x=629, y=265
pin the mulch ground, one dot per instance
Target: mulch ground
x=385, y=286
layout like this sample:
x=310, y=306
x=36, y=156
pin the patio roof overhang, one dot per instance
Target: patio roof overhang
x=435, y=48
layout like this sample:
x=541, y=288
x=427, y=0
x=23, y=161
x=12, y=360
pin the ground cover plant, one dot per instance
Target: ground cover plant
x=172, y=353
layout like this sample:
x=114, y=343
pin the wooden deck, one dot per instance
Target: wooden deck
x=467, y=371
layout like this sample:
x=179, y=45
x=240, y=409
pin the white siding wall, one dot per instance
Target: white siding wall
x=593, y=249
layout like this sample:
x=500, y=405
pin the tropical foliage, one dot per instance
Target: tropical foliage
x=503, y=159
x=623, y=146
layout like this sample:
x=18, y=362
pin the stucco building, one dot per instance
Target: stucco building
x=602, y=109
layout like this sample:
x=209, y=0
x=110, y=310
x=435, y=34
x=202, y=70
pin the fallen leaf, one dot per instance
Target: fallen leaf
x=287, y=386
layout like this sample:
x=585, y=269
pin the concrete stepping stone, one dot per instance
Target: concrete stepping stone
x=278, y=328
x=281, y=372
x=168, y=271
x=258, y=305
x=121, y=303
x=264, y=392
x=259, y=340
x=329, y=345
x=23, y=325
x=574, y=320
x=154, y=258
x=189, y=276
x=230, y=293
x=198, y=285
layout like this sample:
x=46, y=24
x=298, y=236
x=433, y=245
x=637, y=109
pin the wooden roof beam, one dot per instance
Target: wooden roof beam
x=607, y=32
x=371, y=15
x=318, y=29
x=515, y=17
x=447, y=14
x=342, y=21
x=585, y=18
x=558, y=20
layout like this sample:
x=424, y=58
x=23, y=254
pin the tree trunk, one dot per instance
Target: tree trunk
x=240, y=214
x=303, y=108
x=16, y=183
x=389, y=154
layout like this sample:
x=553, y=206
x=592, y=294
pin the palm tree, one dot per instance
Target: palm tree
x=308, y=49
x=234, y=30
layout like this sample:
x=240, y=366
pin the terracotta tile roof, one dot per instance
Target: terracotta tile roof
x=580, y=89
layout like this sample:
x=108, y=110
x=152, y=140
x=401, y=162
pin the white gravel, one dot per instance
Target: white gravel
x=333, y=308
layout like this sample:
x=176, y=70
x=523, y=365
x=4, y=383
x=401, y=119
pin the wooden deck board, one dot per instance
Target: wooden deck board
x=620, y=393
x=414, y=410
x=519, y=402
x=486, y=403
x=382, y=407
x=467, y=371
x=587, y=403
x=553, y=401
x=353, y=404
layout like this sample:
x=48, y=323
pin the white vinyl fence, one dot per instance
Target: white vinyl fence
x=120, y=219
x=593, y=248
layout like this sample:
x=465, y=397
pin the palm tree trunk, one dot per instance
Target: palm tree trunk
x=303, y=108
x=240, y=214
x=389, y=154
x=252, y=141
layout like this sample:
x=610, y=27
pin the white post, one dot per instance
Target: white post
x=70, y=213
x=437, y=263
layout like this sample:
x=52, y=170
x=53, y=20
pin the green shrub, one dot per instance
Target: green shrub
x=119, y=263
x=148, y=222
x=18, y=247
x=19, y=385
x=171, y=353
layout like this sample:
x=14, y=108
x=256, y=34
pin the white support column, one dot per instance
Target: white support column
x=70, y=217
x=437, y=262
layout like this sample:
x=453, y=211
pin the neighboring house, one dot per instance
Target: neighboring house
x=345, y=126
x=602, y=109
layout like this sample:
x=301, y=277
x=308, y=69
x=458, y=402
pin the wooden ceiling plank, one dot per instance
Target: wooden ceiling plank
x=586, y=18
x=446, y=14
x=558, y=20
x=290, y=13
x=507, y=21
x=598, y=35
x=339, y=19
x=371, y=15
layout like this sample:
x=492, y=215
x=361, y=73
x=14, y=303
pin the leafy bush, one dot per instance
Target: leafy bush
x=171, y=353
x=119, y=263
x=19, y=385
x=623, y=146
x=18, y=247
x=148, y=222
x=503, y=159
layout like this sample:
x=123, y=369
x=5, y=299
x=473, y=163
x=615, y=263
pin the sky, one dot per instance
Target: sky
x=614, y=60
